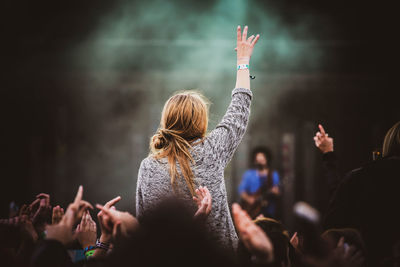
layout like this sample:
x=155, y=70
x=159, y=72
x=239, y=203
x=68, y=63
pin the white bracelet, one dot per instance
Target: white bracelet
x=243, y=67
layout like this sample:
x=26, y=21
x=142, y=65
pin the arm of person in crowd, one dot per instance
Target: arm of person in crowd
x=329, y=160
x=52, y=251
x=253, y=237
x=204, y=203
x=86, y=234
x=104, y=242
x=275, y=190
x=229, y=132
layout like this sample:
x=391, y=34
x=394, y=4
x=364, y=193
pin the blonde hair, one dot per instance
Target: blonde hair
x=184, y=120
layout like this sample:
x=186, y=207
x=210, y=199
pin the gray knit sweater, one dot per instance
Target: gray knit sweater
x=211, y=157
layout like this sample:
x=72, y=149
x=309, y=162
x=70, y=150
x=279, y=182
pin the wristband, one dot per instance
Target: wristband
x=243, y=66
x=102, y=245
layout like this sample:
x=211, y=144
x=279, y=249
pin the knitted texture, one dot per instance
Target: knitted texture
x=211, y=157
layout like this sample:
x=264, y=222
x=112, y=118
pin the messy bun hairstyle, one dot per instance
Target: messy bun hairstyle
x=184, y=120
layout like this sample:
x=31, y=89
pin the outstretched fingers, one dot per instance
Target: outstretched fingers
x=322, y=130
x=239, y=34
x=244, y=37
x=112, y=202
x=253, y=43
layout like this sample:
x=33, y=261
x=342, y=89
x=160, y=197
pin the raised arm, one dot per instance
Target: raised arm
x=229, y=132
x=244, y=50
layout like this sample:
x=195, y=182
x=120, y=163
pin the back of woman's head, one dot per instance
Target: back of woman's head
x=391, y=143
x=184, y=120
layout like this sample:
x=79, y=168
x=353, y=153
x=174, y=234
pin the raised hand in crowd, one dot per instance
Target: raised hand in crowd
x=119, y=224
x=63, y=230
x=253, y=237
x=86, y=231
x=38, y=212
x=104, y=220
x=322, y=141
x=348, y=255
x=203, y=201
x=57, y=215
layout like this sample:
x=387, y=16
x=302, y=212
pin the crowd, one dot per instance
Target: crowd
x=182, y=213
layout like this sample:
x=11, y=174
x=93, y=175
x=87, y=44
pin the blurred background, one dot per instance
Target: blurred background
x=84, y=83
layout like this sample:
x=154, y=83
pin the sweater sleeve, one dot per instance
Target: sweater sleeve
x=139, y=193
x=226, y=137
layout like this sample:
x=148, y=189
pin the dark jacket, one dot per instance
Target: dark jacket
x=368, y=199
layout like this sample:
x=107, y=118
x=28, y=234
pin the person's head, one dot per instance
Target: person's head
x=391, y=143
x=260, y=157
x=184, y=119
x=279, y=236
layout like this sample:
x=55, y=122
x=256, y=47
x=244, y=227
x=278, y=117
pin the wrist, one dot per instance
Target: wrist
x=88, y=244
x=105, y=238
x=238, y=62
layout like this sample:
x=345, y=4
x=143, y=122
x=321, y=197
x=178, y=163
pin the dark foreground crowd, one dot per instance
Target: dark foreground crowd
x=360, y=228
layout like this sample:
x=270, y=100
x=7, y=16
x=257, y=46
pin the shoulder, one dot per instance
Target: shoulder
x=250, y=174
x=151, y=162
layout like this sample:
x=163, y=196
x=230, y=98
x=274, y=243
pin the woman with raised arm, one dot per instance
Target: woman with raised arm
x=183, y=157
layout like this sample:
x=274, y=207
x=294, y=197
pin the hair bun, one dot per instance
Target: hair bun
x=159, y=141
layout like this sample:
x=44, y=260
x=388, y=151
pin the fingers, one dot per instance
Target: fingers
x=321, y=129
x=85, y=205
x=250, y=39
x=105, y=210
x=244, y=37
x=34, y=203
x=209, y=200
x=79, y=195
x=198, y=201
x=340, y=244
x=112, y=202
x=293, y=238
x=255, y=40
x=239, y=34
x=44, y=196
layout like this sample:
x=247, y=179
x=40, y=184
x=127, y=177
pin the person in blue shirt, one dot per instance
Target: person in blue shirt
x=260, y=185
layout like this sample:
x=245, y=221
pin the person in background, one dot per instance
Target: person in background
x=259, y=188
x=367, y=199
x=331, y=173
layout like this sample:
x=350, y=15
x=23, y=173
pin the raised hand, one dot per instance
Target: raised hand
x=245, y=45
x=86, y=231
x=203, y=201
x=347, y=256
x=120, y=224
x=323, y=141
x=39, y=211
x=57, y=215
x=253, y=237
x=63, y=230
x=105, y=220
